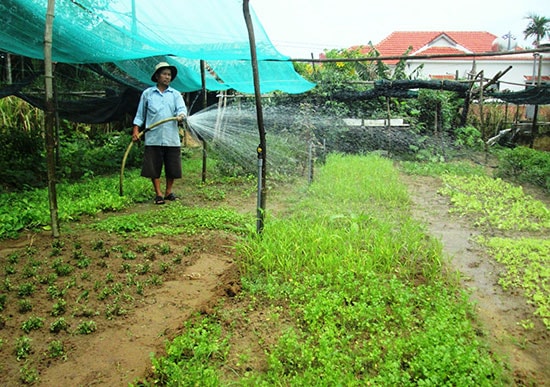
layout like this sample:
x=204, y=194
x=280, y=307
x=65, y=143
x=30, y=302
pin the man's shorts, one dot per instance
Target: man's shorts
x=156, y=156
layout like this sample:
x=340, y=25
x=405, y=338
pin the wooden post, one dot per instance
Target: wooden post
x=9, y=78
x=261, y=150
x=49, y=120
x=534, y=126
x=388, y=113
x=466, y=108
x=204, y=105
x=482, y=118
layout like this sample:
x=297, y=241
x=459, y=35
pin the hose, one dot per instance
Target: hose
x=121, y=189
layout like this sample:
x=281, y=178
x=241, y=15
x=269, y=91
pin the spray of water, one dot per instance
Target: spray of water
x=291, y=134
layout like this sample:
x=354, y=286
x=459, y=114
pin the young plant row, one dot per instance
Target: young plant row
x=72, y=288
x=347, y=290
x=497, y=205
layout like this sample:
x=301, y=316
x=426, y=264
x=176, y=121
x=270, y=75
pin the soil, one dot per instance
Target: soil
x=191, y=274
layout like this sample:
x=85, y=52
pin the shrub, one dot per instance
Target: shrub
x=526, y=165
x=470, y=137
x=22, y=161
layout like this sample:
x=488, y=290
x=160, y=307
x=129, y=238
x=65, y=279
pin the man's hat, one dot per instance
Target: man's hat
x=163, y=65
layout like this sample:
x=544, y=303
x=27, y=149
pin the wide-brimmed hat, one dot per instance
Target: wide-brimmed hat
x=162, y=65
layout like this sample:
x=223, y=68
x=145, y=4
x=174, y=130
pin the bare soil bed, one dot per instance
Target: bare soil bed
x=189, y=274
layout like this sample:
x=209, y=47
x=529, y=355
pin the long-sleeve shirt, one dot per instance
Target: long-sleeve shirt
x=155, y=106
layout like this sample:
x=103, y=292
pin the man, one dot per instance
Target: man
x=162, y=142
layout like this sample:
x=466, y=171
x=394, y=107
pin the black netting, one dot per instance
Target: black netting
x=91, y=94
x=539, y=95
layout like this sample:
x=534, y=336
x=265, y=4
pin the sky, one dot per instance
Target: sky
x=300, y=28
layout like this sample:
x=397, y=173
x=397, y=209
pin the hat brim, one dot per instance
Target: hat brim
x=173, y=70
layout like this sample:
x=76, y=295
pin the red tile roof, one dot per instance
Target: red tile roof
x=543, y=78
x=454, y=42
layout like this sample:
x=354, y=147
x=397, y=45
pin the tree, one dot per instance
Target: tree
x=538, y=27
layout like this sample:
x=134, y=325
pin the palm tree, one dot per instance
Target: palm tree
x=539, y=27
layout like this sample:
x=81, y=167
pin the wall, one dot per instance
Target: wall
x=515, y=76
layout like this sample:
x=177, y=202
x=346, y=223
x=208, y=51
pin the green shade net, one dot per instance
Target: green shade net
x=120, y=41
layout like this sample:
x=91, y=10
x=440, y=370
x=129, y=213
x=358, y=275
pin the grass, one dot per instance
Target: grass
x=360, y=288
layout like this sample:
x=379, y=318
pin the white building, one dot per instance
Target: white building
x=520, y=69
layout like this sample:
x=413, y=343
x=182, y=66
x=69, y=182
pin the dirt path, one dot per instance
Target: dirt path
x=528, y=351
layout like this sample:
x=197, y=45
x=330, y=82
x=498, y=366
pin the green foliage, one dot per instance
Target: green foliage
x=174, y=219
x=359, y=287
x=3, y=298
x=525, y=165
x=538, y=28
x=59, y=325
x=83, y=155
x=347, y=333
x=469, y=137
x=527, y=262
x=23, y=347
x=193, y=357
x=31, y=210
x=22, y=161
x=24, y=306
x=56, y=349
x=59, y=307
x=334, y=77
x=28, y=374
x=62, y=269
x=353, y=208
x=495, y=204
x=26, y=289
x=32, y=323
x=435, y=169
x=86, y=327
x=438, y=110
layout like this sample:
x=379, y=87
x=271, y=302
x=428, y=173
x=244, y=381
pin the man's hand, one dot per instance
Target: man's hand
x=181, y=117
x=135, y=133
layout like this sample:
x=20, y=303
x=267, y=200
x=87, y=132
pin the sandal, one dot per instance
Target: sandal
x=159, y=200
x=171, y=196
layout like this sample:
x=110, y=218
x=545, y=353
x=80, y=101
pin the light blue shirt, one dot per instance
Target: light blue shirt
x=155, y=106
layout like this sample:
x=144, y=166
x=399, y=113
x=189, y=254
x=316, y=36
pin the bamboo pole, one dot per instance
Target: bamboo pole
x=261, y=150
x=50, y=118
x=204, y=106
x=534, y=126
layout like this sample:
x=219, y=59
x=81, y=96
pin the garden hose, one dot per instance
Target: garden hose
x=121, y=189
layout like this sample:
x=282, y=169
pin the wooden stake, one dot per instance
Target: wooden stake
x=261, y=150
x=49, y=120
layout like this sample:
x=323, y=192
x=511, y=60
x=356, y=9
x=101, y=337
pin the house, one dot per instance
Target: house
x=524, y=67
